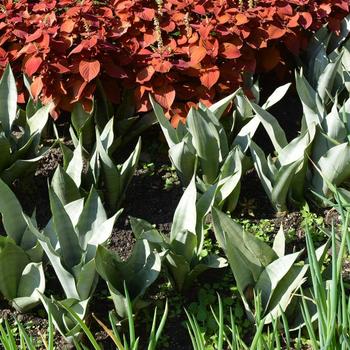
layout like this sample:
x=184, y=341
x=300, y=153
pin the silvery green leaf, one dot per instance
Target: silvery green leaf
x=100, y=235
x=333, y=125
x=70, y=249
x=279, y=243
x=111, y=176
x=32, y=281
x=312, y=105
x=76, y=165
x=179, y=269
x=138, y=272
x=13, y=260
x=20, y=168
x=185, y=215
x=183, y=160
x=296, y=149
x=284, y=292
x=61, y=319
x=87, y=279
x=74, y=210
x=203, y=207
x=206, y=141
x=219, y=107
x=184, y=244
x=243, y=106
x=230, y=175
x=64, y=186
x=73, y=136
x=139, y=226
x=246, y=134
x=11, y=212
x=230, y=238
x=168, y=130
x=38, y=121
x=334, y=166
x=272, y=127
x=107, y=136
x=259, y=249
x=8, y=100
x=272, y=275
x=276, y=96
x=262, y=168
x=79, y=117
x=281, y=184
x=130, y=165
x=326, y=80
x=66, y=279
x=181, y=131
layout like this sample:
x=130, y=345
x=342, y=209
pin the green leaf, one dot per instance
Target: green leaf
x=326, y=79
x=334, y=166
x=8, y=100
x=272, y=275
x=279, y=243
x=66, y=279
x=185, y=215
x=206, y=141
x=70, y=249
x=230, y=238
x=87, y=279
x=138, y=272
x=64, y=186
x=281, y=185
x=276, y=96
x=184, y=244
x=13, y=260
x=168, y=130
x=183, y=160
x=32, y=281
x=272, y=127
x=219, y=107
x=11, y=212
x=76, y=165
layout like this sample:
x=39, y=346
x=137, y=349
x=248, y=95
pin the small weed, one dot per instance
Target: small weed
x=170, y=177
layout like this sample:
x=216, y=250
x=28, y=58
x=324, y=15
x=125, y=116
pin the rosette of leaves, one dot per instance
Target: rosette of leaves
x=70, y=240
x=80, y=171
x=21, y=271
x=258, y=268
x=327, y=63
x=185, y=257
x=127, y=125
x=283, y=176
x=215, y=146
x=330, y=158
x=19, y=140
x=137, y=273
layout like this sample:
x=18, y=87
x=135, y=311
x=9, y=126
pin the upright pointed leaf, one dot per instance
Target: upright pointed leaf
x=8, y=100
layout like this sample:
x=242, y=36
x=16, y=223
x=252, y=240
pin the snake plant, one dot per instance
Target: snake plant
x=19, y=140
x=214, y=145
x=21, y=270
x=70, y=240
x=80, y=171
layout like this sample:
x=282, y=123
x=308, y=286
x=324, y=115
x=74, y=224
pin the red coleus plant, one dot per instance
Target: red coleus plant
x=181, y=51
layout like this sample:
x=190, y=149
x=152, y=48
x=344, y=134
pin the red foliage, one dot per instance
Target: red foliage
x=198, y=50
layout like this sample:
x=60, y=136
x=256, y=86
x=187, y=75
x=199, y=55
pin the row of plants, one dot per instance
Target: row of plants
x=324, y=301
x=211, y=152
x=179, y=52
